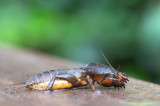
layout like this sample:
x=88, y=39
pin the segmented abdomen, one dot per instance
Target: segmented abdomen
x=41, y=78
x=41, y=81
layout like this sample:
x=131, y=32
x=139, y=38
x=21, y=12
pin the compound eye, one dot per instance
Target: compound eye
x=115, y=75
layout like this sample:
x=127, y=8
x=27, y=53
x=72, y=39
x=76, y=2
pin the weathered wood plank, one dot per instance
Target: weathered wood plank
x=18, y=65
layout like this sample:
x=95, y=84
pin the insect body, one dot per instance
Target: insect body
x=77, y=77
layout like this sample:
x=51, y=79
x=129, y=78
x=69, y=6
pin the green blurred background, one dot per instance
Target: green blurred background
x=127, y=31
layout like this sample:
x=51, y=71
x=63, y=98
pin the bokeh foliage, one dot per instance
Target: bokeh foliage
x=127, y=31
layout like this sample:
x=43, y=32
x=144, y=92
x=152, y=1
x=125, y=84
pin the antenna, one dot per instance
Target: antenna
x=106, y=58
x=118, y=68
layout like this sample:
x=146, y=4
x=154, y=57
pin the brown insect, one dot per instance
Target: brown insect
x=77, y=77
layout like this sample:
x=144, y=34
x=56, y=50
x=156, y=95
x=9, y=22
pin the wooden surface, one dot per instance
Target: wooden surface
x=18, y=65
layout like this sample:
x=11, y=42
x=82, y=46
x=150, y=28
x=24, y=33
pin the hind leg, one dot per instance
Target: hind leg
x=68, y=78
x=51, y=82
x=77, y=83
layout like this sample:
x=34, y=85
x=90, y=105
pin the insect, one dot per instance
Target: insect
x=77, y=77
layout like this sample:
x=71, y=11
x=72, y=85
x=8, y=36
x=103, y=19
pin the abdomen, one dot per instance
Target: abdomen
x=66, y=79
x=58, y=84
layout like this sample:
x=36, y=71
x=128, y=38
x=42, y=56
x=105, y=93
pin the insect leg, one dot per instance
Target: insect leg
x=90, y=82
x=51, y=82
x=70, y=78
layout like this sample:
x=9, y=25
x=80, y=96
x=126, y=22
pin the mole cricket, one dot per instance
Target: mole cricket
x=78, y=77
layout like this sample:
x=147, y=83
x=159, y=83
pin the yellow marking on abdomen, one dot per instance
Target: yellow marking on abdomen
x=58, y=84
